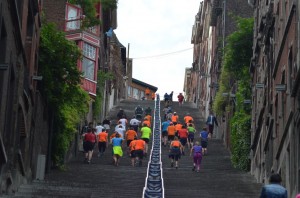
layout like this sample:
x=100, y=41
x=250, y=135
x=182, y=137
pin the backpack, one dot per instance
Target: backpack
x=139, y=110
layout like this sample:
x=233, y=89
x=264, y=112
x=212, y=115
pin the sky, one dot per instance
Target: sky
x=155, y=29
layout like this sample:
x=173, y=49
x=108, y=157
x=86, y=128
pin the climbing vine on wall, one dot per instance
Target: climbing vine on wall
x=61, y=87
x=235, y=74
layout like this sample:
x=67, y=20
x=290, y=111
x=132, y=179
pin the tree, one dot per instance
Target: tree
x=61, y=87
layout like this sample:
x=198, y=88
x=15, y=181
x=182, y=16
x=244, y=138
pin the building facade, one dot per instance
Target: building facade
x=23, y=126
x=275, y=92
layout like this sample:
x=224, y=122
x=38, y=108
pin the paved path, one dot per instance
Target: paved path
x=217, y=177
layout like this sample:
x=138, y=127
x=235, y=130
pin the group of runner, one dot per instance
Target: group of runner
x=137, y=131
x=177, y=135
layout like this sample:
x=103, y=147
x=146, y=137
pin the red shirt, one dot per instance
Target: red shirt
x=183, y=133
x=90, y=137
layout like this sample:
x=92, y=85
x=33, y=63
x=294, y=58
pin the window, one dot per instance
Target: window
x=73, y=14
x=129, y=91
x=89, y=51
x=88, y=61
x=88, y=68
x=135, y=93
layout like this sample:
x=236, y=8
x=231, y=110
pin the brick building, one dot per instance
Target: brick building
x=213, y=23
x=275, y=93
x=23, y=128
x=136, y=89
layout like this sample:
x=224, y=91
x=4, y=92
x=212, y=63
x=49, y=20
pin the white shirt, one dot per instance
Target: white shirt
x=99, y=129
x=134, y=121
x=123, y=122
x=121, y=131
x=118, y=127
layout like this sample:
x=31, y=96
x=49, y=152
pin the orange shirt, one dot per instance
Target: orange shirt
x=187, y=119
x=171, y=130
x=178, y=127
x=139, y=144
x=102, y=137
x=146, y=122
x=149, y=118
x=174, y=118
x=130, y=135
x=175, y=143
x=131, y=145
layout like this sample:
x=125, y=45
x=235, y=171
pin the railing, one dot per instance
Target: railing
x=154, y=184
x=76, y=24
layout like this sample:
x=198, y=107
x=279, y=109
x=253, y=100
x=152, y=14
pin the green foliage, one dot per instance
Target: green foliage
x=61, y=86
x=235, y=71
x=240, y=140
x=109, y=4
x=89, y=10
x=101, y=78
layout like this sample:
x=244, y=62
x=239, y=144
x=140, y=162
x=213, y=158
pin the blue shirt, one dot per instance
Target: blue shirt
x=273, y=191
x=117, y=141
x=164, y=125
x=204, y=135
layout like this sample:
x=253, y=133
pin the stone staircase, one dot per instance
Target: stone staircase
x=217, y=178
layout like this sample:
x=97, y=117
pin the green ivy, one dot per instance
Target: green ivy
x=101, y=78
x=235, y=71
x=61, y=87
x=89, y=10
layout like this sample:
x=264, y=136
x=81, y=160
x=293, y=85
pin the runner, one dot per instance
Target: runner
x=117, y=148
x=124, y=122
x=183, y=135
x=147, y=122
x=204, y=140
x=88, y=145
x=139, y=112
x=180, y=99
x=171, y=132
x=191, y=131
x=145, y=135
x=197, y=153
x=178, y=126
x=121, y=131
x=102, y=142
x=175, y=118
x=188, y=119
x=139, y=151
x=131, y=151
x=130, y=135
x=134, y=123
x=164, y=129
x=175, y=152
x=106, y=123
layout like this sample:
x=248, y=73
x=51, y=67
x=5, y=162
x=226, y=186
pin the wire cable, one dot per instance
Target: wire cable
x=166, y=54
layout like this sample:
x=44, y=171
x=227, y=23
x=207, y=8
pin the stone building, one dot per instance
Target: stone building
x=275, y=92
x=23, y=126
x=213, y=23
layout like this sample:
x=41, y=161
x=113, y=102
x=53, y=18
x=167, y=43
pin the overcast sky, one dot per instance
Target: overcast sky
x=158, y=27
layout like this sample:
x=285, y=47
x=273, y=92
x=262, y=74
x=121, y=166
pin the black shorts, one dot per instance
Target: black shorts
x=132, y=154
x=191, y=137
x=204, y=144
x=175, y=154
x=171, y=137
x=146, y=140
x=183, y=141
x=128, y=142
x=88, y=146
x=139, y=154
x=164, y=133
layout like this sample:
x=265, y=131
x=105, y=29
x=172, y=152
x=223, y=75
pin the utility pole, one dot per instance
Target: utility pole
x=126, y=73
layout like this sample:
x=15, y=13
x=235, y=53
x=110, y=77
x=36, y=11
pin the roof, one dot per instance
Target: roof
x=151, y=87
